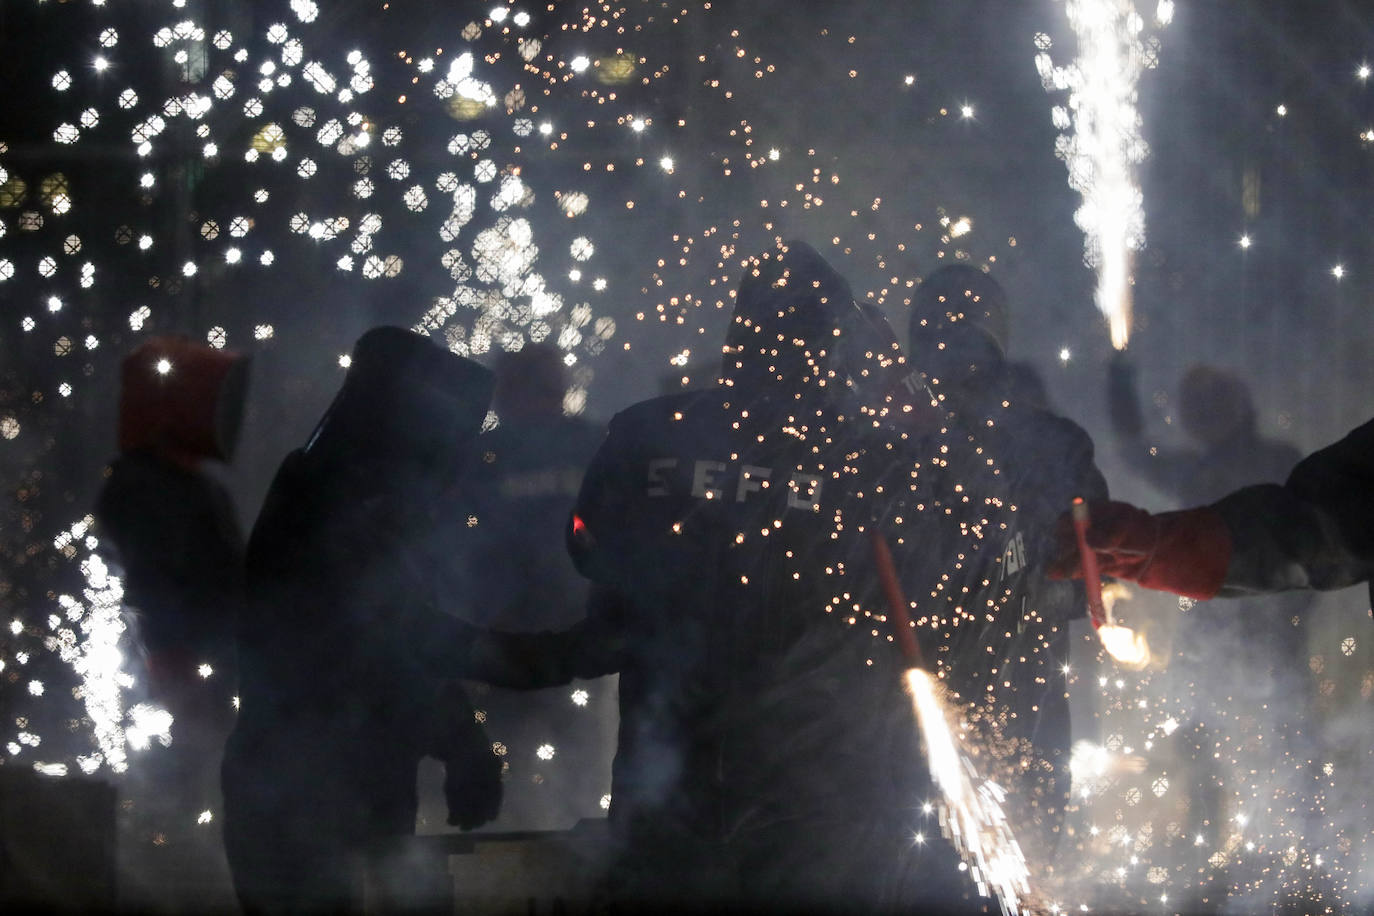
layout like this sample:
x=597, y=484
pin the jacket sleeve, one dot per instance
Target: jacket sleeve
x=1316, y=531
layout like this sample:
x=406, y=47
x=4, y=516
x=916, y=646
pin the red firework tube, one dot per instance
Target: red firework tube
x=1092, y=580
x=896, y=601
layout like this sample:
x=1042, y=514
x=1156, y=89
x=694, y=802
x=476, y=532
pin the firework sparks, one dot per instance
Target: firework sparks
x=1101, y=141
x=971, y=807
x=365, y=188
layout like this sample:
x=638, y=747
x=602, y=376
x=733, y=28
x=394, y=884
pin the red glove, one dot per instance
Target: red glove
x=1185, y=552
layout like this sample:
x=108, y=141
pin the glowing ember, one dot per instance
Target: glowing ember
x=1126, y=647
x=971, y=808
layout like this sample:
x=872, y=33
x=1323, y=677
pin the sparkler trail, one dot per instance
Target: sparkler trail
x=970, y=807
x=1101, y=143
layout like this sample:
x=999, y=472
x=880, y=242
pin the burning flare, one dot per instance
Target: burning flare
x=971, y=808
x=1122, y=643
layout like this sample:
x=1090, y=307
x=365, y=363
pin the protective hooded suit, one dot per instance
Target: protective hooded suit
x=1005, y=653
x=765, y=751
x=180, y=549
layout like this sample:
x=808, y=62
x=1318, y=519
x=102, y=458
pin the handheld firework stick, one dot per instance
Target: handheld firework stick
x=1092, y=580
x=971, y=809
x=1124, y=644
x=896, y=601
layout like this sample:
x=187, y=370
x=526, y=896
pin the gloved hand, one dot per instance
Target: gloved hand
x=472, y=771
x=1184, y=552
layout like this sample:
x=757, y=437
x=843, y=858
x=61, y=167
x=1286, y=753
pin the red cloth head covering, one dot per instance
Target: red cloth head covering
x=182, y=400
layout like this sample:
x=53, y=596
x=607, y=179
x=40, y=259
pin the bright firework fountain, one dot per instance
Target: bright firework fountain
x=1101, y=141
x=972, y=814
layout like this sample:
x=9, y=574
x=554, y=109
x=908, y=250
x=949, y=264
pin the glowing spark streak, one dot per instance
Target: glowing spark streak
x=973, y=812
x=1105, y=145
x=98, y=661
x=972, y=817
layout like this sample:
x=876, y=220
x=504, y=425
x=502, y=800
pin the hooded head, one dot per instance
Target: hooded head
x=181, y=400
x=795, y=327
x=407, y=408
x=958, y=326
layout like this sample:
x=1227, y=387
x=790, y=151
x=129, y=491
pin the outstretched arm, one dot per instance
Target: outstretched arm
x=522, y=661
x=1312, y=532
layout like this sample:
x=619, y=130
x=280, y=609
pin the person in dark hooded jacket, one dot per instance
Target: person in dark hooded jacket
x=767, y=755
x=1216, y=411
x=348, y=667
x=1009, y=663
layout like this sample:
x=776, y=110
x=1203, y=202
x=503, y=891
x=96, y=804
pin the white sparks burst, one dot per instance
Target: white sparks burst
x=975, y=821
x=1102, y=143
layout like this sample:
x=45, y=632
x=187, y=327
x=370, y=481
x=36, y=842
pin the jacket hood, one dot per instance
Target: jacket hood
x=406, y=403
x=792, y=310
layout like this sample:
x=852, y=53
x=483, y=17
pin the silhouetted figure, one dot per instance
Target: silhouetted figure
x=511, y=571
x=767, y=755
x=1216, y=412
x=1010, y=667
x=177, y=538
x=348, y=665
x=174, y=526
